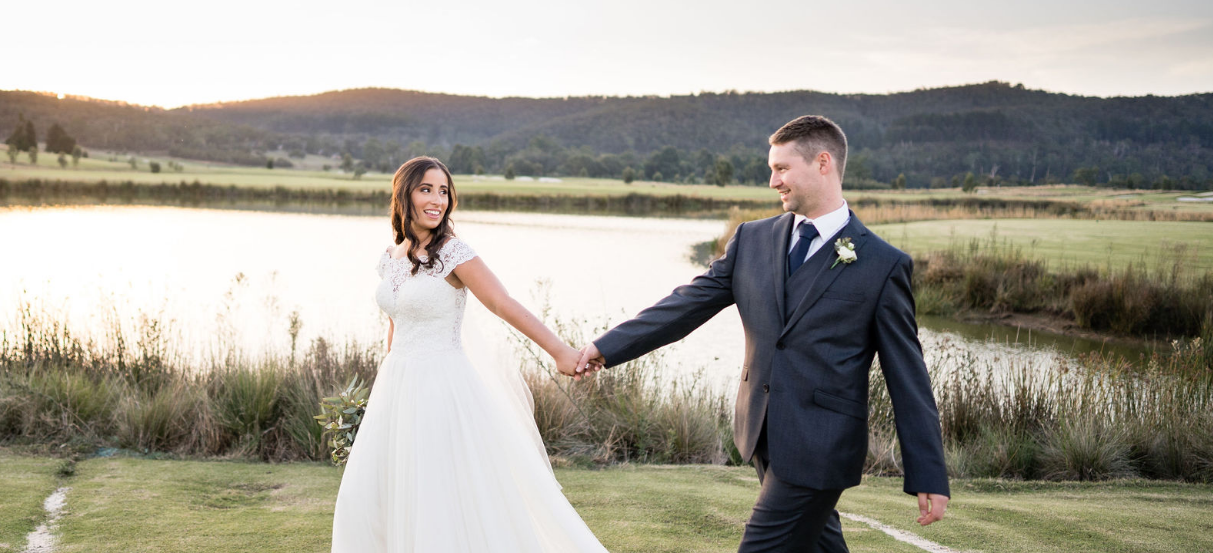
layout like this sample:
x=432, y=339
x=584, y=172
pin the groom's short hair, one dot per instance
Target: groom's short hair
x=814, y=134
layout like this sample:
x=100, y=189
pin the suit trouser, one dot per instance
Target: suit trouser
x=791, y=518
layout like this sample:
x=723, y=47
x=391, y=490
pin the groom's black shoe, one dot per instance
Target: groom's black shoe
x=791, y=518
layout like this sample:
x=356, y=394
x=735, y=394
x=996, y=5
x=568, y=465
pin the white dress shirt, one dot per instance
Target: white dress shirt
x=827, y=226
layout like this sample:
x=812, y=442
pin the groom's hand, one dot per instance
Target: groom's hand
x=931, y=507
x=591, y=361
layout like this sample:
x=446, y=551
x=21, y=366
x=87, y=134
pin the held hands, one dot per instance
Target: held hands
x=566, y=360
x=574, y=363
x=590, y=361
x=931, y=507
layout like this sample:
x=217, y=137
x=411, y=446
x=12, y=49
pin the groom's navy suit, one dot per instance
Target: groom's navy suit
x=810, y=340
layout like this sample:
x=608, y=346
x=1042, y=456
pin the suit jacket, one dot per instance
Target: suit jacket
x=810, y=342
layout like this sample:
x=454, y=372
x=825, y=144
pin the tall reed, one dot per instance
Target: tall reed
x=986, y=275
x=1021, y=417
x=131, y=390
x=629, y=413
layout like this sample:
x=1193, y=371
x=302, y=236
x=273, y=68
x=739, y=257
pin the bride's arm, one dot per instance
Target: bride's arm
x=475, y=274
x=391, y=330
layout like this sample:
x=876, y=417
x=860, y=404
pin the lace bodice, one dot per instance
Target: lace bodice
x=426, y=309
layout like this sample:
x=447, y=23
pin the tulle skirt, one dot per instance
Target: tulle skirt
x=439, y=466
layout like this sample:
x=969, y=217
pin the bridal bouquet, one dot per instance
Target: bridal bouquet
x=340, y=417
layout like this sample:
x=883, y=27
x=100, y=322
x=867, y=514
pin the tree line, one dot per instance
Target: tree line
x=24, y=138
x=1002, y=134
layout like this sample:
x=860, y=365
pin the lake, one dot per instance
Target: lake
x=221, y=278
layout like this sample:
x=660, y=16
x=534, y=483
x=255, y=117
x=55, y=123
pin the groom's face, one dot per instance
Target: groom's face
x=799, y=182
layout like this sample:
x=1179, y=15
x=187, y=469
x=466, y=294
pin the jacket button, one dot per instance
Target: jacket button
x=766, y=388
x=780, y=345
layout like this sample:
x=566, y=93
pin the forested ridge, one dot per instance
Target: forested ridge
x=1000, y=133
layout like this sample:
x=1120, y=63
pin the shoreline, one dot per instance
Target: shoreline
x=1056, y=325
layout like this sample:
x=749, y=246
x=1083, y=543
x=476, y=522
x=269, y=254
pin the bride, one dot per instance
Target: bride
x=448, y=458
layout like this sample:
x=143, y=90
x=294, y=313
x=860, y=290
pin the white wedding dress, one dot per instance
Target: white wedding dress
x=447, y=458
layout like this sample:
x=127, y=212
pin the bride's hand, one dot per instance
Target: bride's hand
x=566, y=360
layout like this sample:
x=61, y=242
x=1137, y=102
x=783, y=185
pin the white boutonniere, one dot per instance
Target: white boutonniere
x=845, y=250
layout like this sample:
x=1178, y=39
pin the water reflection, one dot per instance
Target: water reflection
x=218, y=278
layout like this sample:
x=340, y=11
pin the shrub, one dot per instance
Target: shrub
x=1085, y=449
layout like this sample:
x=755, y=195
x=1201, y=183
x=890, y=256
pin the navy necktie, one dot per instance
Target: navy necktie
x=807, y=233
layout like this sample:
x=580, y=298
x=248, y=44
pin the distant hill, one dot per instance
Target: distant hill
x=995, y=130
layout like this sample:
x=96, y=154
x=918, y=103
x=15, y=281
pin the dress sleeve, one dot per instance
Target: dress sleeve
x=454, y=254
x=381, y=267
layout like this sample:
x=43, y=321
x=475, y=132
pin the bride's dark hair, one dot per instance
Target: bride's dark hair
x=408, y=177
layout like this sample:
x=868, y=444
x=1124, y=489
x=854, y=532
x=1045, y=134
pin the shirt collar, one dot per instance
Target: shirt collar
x=828, y=224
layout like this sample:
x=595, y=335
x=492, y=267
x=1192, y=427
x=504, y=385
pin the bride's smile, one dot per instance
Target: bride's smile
x=431, y=201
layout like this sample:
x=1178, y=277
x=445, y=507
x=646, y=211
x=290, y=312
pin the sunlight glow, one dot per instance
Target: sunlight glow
x=148, y=53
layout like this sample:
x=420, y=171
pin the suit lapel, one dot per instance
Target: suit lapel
x=783, y=235
x=826, y=276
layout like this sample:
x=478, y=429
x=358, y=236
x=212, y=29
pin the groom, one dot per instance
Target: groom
x=819, y=295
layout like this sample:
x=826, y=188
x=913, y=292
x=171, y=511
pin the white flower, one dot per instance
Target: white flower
x=845, y=250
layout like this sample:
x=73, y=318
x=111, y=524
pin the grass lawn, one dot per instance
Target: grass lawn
x=25, y=482
x=1066, y=241
x=1040, y=517
x=130, y=504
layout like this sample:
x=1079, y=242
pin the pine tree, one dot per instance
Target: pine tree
x=58, y=141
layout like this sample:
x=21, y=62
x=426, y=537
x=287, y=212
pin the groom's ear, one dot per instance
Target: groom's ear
x=824, y=160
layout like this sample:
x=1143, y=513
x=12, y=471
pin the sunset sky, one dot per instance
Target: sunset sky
x=172, y=54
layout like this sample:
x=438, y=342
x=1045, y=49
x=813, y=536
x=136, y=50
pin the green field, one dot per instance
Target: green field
x=308, y=175
x=129, y=504
x=98, y=167
x=1067, y=242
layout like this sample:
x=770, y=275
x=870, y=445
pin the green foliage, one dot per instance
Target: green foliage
x=464, y=160
x=340, y=417
x=62, y=159
x=246, y=401
x=723, y=174
x=23, y=138
x=1085, y=449
x=77, y=153
x=509, y=172
x=1020, y=420
x=154, y=166
x=925, y=134
x=629, y=175
x=167, y=419
x=663, y=162
x=58, y=141
x=625, y=414
x=1134, y=301
x=899, y=183
x=1086, y=175
x=970, y=183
